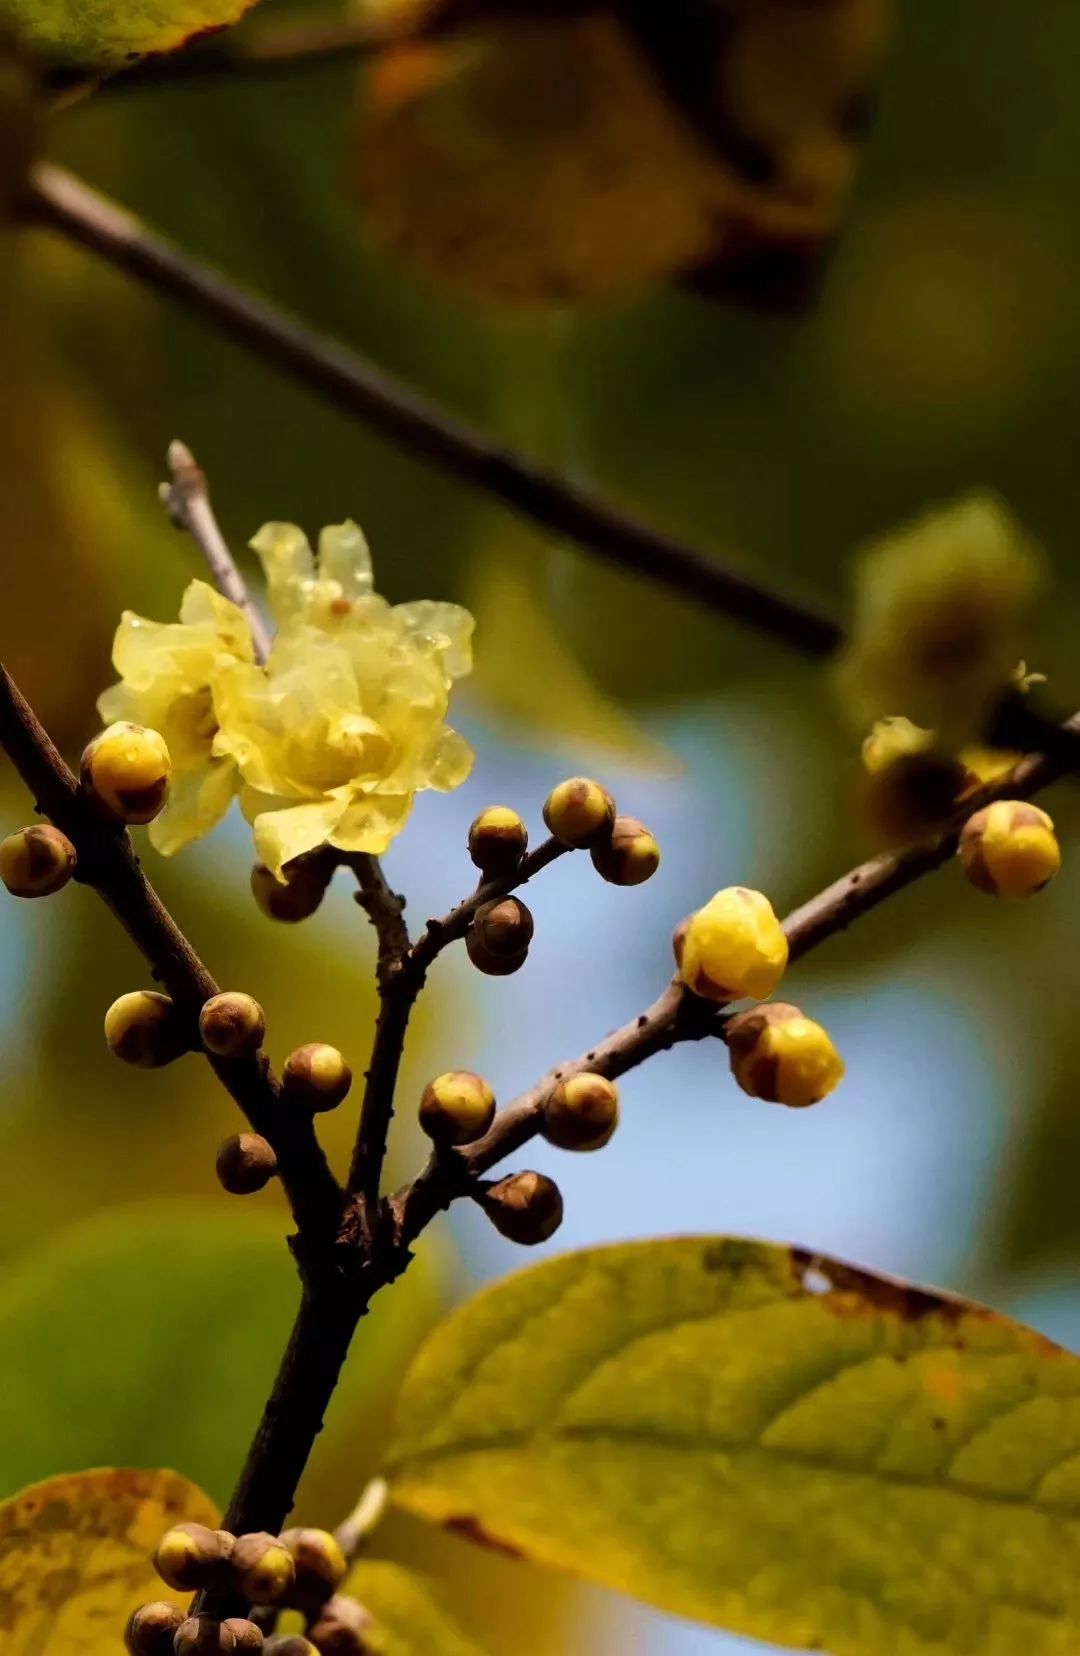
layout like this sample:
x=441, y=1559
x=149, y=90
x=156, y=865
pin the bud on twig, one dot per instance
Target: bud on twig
x=232, y=1025
x=1010, y=849
x=151, y=1629
x=143, y=1028
x=203, y=1636
x=306, y=884
x=629, y=857
x=316, y=1076
x=504, y=929
x=733, y=947
x=247, y=1638
x=36, y=861
x=498, y=840
x=320, y=1567
x=582, y=1113
x=191, y=1556
x=245, y=1164
x=125, y=773
x=525, y=1208
x=782, y=1056
x=342, y=1628
x=579, y=812
x=262, y=1568
x=457, y=1108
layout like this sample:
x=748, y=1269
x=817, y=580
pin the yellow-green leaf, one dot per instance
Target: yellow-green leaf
x=411, y=1620
x=98, y=34
x=75, y=1557
x=764, y=1440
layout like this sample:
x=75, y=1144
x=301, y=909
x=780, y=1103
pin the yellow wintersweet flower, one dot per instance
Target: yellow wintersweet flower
x=346, y=723
x=168, y=671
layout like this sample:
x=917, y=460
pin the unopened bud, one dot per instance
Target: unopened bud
x=457, y=1108
x=504, y=928
x=492, y=965
x=297, y=898
x=191, y=1556
x=579, y=812
x=144, y=1028
x=247, y=1638
x=525, y=1208
x=319, y=1564
x=316, y=1076
x=290, y=1644
x=125, y=773
x=151, y=1629
x=498, y=840
x=37, y=861
x=1010, y=849
x=203, y=1636
x=262, y=1568
x=245, y=1164
x=582, y=1113
x=733, y=947
x=782, y=1056
x=629, y=857
x=342, y=1628
x=232, y=1025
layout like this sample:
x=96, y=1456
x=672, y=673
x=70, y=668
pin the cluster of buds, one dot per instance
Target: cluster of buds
x=736, y=949
x=581, y=814
x=300, y=1570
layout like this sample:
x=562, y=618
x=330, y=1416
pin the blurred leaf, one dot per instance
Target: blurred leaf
x=18, y=123
x=546, y=156
x=411, y=1620
x=764, y=1440
x=111, y=33
x=153, y=1334
x=75, y=1557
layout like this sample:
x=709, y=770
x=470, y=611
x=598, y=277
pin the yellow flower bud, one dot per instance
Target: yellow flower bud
x=582, y=1113
x=1010, y=849
x=320, y=1567
x=245, y=1164
x=305, y=886
x=782, y=1056
x=526, y=1208
x=498, y=840
x=143, y=1028
x=125, y=773
x=734, y=947
x=316, y=1076
x=579, y=812
x=262, y=1568
x=151, y=1629
x=457, y=1108
x=191, y=1556
x=629, y=857
x=343, y=1628
x=893, y=739
x=232, y=1025
x=36, y=861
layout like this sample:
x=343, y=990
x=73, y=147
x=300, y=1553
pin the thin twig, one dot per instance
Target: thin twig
x=437, y=934
x=61, y=202
x=187, y=500
x=107, y=862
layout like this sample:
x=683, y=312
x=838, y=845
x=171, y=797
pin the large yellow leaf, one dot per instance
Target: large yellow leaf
x=110, y=33
x=766, y=1441
x=411, y=1620
x=75, y=1557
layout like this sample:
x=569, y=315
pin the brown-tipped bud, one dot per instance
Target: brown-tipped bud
x=246, y=1637
x=125, y=773
x=262, y=1568
x=36, y=861
x=579, y=812
x=144, y=1028
x=290, y=1644
x=320, y=1568
x=492, y=965
x=1010, y=849
x=582, y=1113
x=525, y=1208
x=191, y=1556
x=782, y=1056
x=232, y=1025
x=305, y=886
x=203, y=1636
x=245, y=1164
x=504, y=929
x=151, y=1629
x=316, y=1076
x=630, y=857
x=457, y=1108
x=342, y=1628
x=498, y=840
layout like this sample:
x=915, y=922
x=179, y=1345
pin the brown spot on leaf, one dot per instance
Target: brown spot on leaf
x=471, y=1529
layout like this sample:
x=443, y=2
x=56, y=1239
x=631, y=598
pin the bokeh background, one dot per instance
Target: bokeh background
x=141, y=1312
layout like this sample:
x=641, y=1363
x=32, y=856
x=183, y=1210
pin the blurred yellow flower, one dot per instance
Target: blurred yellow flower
x=329, y=742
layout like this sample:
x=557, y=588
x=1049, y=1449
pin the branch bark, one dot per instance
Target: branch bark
x=60, y=202
x=187, y=501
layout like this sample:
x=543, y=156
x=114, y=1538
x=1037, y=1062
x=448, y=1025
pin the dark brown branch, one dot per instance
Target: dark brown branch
x=61, y=202
x=437, y=934
x=107, y=862
x=187, y=501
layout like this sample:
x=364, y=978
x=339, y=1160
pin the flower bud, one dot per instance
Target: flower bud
x=631, y=855
x=342, y=1628
x=525, y=1208
x=232, y=1025
x=734, y=946
x=306, y=883
x=782, y=1056
x=246, y=1637
x=492, y=965
x=582, y=1113
x=203, y=1636
x=191, y=1556
x=151, y=1629
x=457, y=1108
x=504, y=929
x=245, y=1164
x=36, y=861
x=316, y=1076
x=125, y=773
x=262, y=1568
x=320, y=1568
x=498, y=840
x=579, y=812
x=290, y=1644
x=144, y=1028
x=1010, y=849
